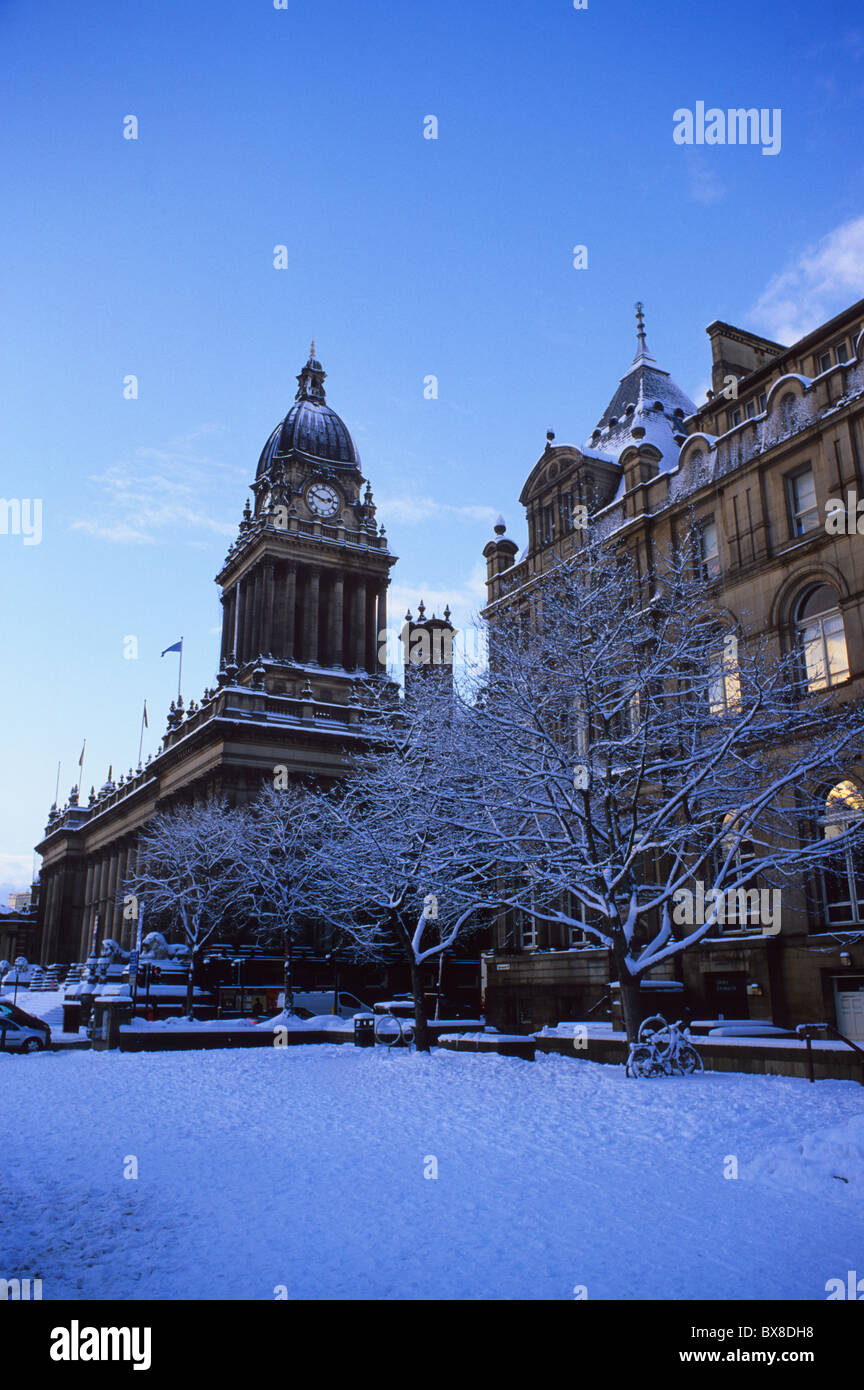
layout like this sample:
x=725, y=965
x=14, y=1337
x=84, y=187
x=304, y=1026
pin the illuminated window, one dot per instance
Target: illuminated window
x=724, y=680
x=821, y=639
x=843, y=879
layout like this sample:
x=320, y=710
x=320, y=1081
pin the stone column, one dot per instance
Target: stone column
x=87, y=915
x=101, y=896
x=310, y=616
x=289, y=602
x=359, y=635
x=371, y=654
x=267, y=604
x=254, y=617
x=336, y=655
x=110, y=907
x=381, y=638
x=240, y=621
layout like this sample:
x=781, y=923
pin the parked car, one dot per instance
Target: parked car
x=12, y=1011
x=20, y=1037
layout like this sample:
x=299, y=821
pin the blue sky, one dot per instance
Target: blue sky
x=407, y=257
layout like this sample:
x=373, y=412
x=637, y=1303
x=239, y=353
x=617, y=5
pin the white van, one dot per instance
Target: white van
x=320, y=1001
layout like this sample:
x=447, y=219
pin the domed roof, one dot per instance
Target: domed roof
x=311, y=428
x=648, y=399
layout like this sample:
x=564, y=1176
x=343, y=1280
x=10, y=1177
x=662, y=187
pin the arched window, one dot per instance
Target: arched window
x=843, y=879
x=821, y=639
x=787, y=411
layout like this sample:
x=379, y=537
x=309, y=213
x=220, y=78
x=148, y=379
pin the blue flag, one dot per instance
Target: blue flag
x=177, y=647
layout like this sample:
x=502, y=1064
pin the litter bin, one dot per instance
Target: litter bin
x=364, y=1030
x=71, y=1015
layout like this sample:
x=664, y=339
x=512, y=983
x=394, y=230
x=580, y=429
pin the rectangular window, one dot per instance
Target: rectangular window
x=724, y=680
x=803, y=508
x=841, y=352
x=527, y=928
x=709, y=550
x=762, y=401
x=749, y=410
x=734, y=417
x=823, y=641
x=823, y=362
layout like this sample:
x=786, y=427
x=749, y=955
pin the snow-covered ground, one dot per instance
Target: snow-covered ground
x=304, y=1168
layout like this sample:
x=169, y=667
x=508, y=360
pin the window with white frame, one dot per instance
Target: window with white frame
x=803, y=507
x=724, y=679
x=709, y=549
x=821, y=639
x=741, y=910
x=842, y=881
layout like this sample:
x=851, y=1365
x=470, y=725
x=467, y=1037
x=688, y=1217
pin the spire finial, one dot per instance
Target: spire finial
x=640, y=324
x=312, y=351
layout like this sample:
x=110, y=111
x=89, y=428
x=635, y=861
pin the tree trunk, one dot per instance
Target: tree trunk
x=190, y=988
x=421, y=1030
x=629, y=988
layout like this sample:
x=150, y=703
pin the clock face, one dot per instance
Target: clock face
x=322, y=500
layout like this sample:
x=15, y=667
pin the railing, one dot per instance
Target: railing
x=807, y=1031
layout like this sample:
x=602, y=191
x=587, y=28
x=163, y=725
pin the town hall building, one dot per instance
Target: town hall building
x=304, y=613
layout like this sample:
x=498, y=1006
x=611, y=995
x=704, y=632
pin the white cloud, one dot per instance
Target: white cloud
x=18, y=870
x=703, y=185
x=414, y=510
x=821, y=281
x=160, y=490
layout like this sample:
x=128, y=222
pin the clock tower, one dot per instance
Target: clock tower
x=304, y=585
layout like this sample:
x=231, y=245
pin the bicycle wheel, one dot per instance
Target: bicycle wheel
x=688, y=1060
x=643, y=1061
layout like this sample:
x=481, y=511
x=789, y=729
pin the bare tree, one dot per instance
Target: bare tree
x=394, y=872
x=645, y=761
x=284, y=831
x=191, y=874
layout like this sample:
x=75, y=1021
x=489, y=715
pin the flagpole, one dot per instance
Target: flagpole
x=141, y=739
x=81, y=767
x=57, y=787
x=180, y=672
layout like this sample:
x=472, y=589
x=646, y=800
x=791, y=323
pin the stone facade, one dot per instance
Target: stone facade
x=304, y=597
x=782, y=433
